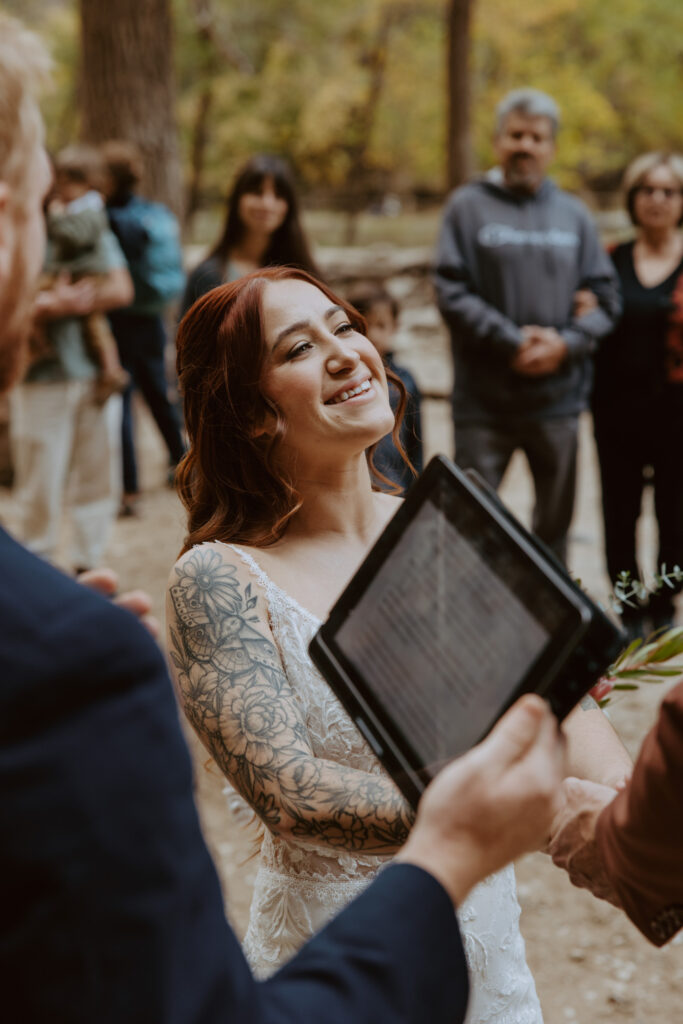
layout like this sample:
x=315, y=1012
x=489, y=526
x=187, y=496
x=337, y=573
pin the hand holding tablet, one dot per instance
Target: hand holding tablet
x=494, y=803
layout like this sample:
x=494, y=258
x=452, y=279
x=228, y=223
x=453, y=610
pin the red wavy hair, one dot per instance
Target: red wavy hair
x=230, y=481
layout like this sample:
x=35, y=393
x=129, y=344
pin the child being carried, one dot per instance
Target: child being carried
x=76, y=224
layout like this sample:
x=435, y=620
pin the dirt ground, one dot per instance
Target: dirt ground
x=590, y=964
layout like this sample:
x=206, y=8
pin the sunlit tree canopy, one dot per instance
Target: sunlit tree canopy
x=354, y=92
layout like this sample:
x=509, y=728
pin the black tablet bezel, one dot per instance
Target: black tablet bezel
x=374, y=719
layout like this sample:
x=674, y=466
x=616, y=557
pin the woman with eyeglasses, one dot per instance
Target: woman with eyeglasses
x=638, y=394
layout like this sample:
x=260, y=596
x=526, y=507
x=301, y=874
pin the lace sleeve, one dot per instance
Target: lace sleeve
x=236, y=696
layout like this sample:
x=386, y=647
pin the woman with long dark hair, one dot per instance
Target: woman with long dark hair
x=262, y=229
x=285, y=399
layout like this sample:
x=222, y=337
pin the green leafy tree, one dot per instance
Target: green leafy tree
x=616, y=71
x=356, y=93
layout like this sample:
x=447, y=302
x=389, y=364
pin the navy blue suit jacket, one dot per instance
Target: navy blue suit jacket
x=110, y=907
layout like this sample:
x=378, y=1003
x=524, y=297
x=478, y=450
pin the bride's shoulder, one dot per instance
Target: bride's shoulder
x=212, y=562
x=214, y=582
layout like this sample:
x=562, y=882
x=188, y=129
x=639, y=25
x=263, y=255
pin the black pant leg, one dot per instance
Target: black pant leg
x=667, y=463
x=123, y=328
x=150, y=377
x=621, y=460
x=128, y=459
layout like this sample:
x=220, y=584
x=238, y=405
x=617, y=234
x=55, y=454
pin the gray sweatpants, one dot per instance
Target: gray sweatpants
x=550, y=446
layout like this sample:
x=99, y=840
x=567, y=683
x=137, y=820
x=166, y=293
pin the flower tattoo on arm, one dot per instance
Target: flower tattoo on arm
x=237, y=698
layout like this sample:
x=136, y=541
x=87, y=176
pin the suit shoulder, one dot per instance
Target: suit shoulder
x=63, y=645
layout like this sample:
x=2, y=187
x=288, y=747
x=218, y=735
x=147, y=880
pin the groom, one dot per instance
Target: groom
x=111, y=909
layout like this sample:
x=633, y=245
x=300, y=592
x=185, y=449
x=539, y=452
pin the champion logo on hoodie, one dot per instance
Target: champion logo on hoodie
x=495, y=235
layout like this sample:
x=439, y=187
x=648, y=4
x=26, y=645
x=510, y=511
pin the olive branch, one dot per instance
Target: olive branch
x=644, y=660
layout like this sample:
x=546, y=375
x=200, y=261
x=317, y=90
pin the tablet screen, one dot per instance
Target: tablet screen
x=451, y=623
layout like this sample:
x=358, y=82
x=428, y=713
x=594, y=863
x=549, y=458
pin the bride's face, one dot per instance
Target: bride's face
x=326, y=379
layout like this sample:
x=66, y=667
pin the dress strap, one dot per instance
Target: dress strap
x=275, y=595
x=251, y=564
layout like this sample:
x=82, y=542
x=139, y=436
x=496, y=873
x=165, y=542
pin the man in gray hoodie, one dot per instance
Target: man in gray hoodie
x=513, y=253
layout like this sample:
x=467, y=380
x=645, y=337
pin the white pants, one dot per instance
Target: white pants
x=64, y=446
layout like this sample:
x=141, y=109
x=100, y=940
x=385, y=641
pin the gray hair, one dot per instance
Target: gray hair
x=531, y=103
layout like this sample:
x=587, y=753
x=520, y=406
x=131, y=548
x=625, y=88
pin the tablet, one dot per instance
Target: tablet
x=456, y=611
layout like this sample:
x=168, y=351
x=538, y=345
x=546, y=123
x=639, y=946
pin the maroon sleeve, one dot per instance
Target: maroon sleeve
x=640, y=834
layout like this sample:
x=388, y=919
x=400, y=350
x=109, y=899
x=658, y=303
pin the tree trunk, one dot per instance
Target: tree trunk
x=127, y=86
x=363, y=119
x=459, y=16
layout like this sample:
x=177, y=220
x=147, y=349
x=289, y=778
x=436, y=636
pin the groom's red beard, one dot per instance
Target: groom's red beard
x=17, y=295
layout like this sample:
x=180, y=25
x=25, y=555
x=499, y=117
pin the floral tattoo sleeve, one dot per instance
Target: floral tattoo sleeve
x=237, y=698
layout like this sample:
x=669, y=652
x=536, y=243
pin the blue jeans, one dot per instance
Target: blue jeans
x=141, y=341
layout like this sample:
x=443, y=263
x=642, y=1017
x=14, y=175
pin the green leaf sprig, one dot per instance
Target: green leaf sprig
x=643, y=661
x=628, y=587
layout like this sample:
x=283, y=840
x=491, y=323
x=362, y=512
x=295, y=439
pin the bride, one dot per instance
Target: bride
x=284, y=397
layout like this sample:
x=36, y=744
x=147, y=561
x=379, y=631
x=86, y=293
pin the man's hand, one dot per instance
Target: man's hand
x=493, y=804
x=65, y=299
x=572, y=844
x=541, y=353
x=105, y=582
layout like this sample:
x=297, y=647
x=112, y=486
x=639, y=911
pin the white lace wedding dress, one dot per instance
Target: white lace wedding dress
x=298, y=888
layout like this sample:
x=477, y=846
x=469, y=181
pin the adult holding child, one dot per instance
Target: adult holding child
x=638, y=394
x=284, y=396
x=262, y=228
x=65, y=440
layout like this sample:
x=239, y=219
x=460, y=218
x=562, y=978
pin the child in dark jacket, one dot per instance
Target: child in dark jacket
x=381, y=312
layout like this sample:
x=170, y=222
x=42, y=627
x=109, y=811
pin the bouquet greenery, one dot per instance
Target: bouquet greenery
x=645, y=660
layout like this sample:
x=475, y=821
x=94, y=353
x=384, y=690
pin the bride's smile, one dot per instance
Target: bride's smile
x=325, y=378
